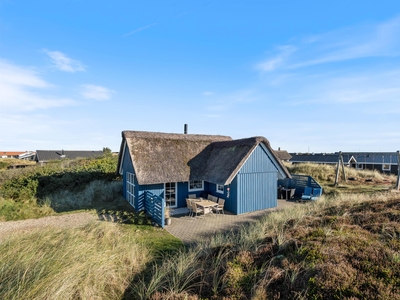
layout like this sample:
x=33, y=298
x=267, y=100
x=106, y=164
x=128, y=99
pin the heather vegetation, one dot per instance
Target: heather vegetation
x=346, y=245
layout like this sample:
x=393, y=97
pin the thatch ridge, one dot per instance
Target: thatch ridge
x=169, y=157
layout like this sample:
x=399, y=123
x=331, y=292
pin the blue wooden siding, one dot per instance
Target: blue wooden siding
x=128, y=167
x=259, y=161
x=231, y=202
x=256, y=183
x=212, y=189
x=256, y=191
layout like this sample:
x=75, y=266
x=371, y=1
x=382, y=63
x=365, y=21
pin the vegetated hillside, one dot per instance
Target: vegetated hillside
x=6, y=163
x=346, y=247
x=57, y=187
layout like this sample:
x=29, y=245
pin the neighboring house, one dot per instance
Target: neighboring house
x=29, y=155
x=10, y=154
x=321, y=158
x=385, y=162
x=44, y=156
x=283, y=155
x=244, y=172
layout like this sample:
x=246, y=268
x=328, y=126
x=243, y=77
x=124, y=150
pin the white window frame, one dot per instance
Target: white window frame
x=196, y=189
x=360, y=166
x=218, y=188
x=130, y=188
x=175, y=187
x=386, y=169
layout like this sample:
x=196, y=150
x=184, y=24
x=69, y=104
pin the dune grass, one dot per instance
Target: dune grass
x=94, y=262
x=342, y=247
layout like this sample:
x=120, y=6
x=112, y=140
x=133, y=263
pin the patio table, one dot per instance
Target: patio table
x=207, y=205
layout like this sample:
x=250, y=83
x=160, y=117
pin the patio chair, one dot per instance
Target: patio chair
x=307, y=193
x=317, y=192
x=192, y=196
x=220, y=206
x=196, y=209
x=189, y=206
x=210, y=197
x=292, y=192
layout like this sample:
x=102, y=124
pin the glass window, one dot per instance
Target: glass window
x=220, y=188
x=130, y=188
x=170, y=194
x=386, y=167
x=360, y=166
x=196, y=185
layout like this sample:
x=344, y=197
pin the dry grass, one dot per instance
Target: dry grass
x=94, y=262
x=327, y=173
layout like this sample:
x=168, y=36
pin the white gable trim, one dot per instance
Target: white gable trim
x=121, y=171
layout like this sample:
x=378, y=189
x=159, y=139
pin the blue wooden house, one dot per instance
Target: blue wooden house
x=244, y=172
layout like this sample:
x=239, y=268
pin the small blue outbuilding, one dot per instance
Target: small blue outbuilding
x=244, y=172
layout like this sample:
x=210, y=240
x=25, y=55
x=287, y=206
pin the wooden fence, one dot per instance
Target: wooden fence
x=154, y=207
x=299, y=182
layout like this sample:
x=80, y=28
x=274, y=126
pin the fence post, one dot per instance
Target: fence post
x=337, y=169
x=342, y=162
x=398, y=170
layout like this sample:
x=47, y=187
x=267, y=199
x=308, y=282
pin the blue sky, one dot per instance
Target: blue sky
x=318, y=76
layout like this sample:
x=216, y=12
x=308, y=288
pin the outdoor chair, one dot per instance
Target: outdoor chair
x=192, y=196
x=292, y=192
x=210, y=197
x=307, y=193
x=196, y=210
x=189, y=206
x=220, y=206
x=317, y=192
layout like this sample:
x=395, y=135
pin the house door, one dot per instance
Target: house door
x=171, y=196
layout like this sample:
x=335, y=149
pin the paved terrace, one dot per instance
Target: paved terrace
x=190, y=229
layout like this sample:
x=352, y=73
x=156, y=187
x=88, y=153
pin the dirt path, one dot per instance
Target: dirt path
x=63, y=221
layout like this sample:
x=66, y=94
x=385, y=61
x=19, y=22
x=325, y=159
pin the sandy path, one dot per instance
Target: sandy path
x=62, y=221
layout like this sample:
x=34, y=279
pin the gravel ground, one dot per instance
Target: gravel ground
x=63, y=221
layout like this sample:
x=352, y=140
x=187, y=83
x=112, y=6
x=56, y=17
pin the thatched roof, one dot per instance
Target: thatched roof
x=221, y=161
x=163, y=157
x=283, y=155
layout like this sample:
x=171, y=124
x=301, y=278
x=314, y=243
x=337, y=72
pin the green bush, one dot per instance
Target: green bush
x=40, y=181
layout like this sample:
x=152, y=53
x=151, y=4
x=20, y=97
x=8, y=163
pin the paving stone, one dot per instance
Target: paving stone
x=190, y=229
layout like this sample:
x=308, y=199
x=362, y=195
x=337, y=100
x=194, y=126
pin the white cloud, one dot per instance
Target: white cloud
x=96, y=92
x=274, y=62
x=19, y=88
x=140, y=29
x=364, y=41
x=378, y=40
x=64, y=63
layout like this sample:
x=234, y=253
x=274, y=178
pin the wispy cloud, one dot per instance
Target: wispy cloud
x=364, y=41
x=64, y=63
x=23, y=89
x=277, y=60
x=140, y=29
x=96, y=92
